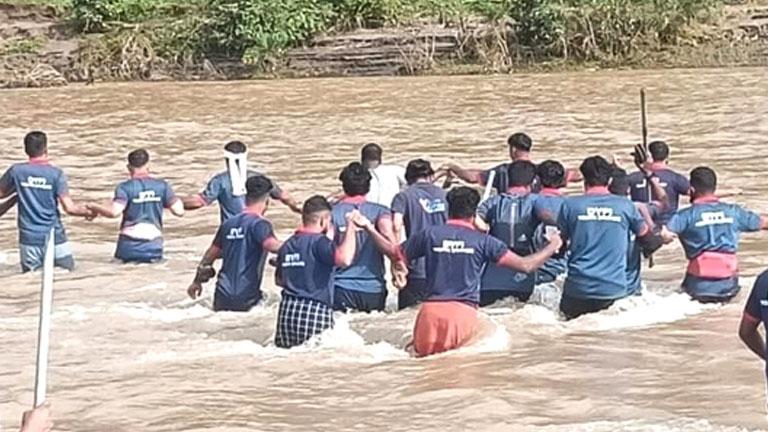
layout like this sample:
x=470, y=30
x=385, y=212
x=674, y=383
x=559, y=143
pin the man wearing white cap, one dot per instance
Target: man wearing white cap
x=228, y=187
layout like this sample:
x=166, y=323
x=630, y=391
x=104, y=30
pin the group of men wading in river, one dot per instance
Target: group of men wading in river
x=450, y=250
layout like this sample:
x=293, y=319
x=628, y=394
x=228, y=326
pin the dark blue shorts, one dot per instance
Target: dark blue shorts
x=573, y=307
x=221, y=302
x=139, y=251
x=488, y=297
x=707, y=290
x=344, y=300
x=414, y=293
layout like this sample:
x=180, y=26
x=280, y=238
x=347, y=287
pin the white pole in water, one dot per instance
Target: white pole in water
x=489, y=185
x=44, y=329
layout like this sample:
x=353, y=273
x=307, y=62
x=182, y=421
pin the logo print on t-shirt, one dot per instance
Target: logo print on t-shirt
x=235, y=234
x=603, y=214
x=714, y=218
x=145, y=197
x=432, y=206
x=293, y=260
x=37, y=183
x=454, y=247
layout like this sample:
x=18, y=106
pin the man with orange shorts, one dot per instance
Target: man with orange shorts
x=455, y=255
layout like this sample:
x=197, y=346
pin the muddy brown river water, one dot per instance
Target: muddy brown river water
x=131, y=353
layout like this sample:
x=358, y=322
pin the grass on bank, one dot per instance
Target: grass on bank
x=144, y=33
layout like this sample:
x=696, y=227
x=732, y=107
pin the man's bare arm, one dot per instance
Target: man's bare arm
x=8, y=204
x=111, y=210
x=398, y=226
x=73, y=209
x=345, y=252
x=290, y=202
x=177, y=208
x=205, y=271
x=660, y=193
x=530, y=263
x=473, y=176
x=751, y=336
x=193, y=202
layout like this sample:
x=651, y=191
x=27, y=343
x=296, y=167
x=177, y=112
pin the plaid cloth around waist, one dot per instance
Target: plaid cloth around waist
x=299, y=319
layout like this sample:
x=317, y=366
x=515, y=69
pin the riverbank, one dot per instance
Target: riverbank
x=46, y=43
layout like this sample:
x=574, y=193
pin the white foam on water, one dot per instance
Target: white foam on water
x=492, y=336
x=145, y=311
x=658, y=305
x=643, y=311
x=201, y=350
x=344, y=344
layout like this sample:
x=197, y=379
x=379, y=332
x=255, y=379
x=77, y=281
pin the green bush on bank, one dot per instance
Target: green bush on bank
x=258, y=31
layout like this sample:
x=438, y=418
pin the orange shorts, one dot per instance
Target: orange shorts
x=443, y=326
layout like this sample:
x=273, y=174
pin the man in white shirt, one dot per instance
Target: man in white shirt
x=386, y=180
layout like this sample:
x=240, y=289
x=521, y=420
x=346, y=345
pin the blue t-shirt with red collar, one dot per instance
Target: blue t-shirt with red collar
x=241, y=240
x=709, y=231
x=422, y=205
x=306, y=266
x=455, y=255
x=39, y=185
x=366, y=274
x=219, y=188
x=598, y=225
x=144, y=199
x=512, y=220
x=674, y=185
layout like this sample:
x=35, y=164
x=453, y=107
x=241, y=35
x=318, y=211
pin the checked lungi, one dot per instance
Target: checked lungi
x=299, y=319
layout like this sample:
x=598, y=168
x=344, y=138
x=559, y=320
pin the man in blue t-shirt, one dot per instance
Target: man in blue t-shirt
x=519, y=145
x=140, y=202
x=243, y=242
x=550, y=200
x=40, y=187
x=455, y=255
x=305, y=269
x=756, y=313
x=675, y=185
x=511, y=218
x=709, y=232
x=361, y=285
x=230, y=193
x=419, y=206
x=597, y=226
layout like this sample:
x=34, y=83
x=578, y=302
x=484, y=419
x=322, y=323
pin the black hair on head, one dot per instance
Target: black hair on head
x=138, y=158
x=619, y=182
x=371, y=152
x=235, y=147
x=462, y=202
x=313, y=208
x=418, y=169
x=596, y=171
x=659, y=150
x=704, y=180
x=520, y=141
x=551, y=173
x=521, y=173
x=35, y=144
x=257, y=187
x=355, y=179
